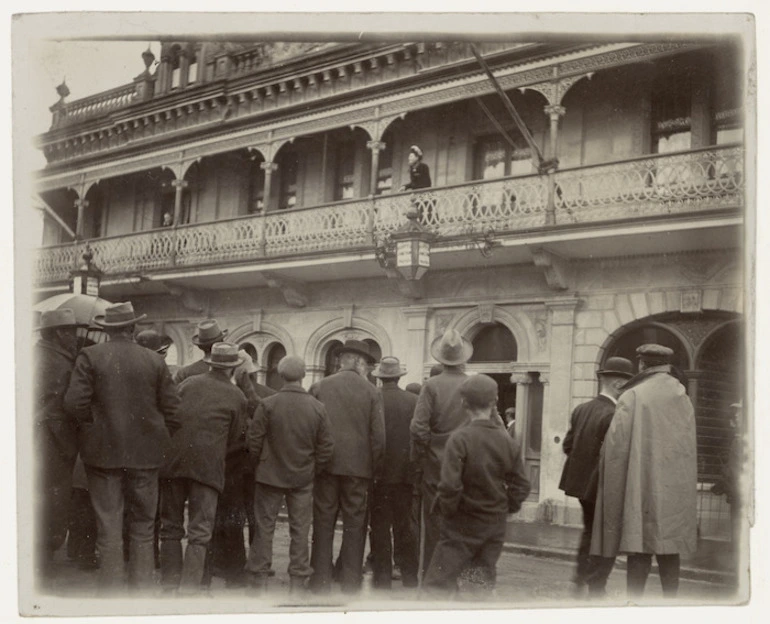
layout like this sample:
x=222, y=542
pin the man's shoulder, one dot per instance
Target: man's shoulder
x=599, y=404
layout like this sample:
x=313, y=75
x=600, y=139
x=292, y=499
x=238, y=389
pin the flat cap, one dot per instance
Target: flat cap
x=654, y=353
x=479, y=390
x=291, y=368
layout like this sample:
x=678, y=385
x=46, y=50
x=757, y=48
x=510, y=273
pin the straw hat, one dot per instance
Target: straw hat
x=118, y=315
x=451, y=349
x=223, y=355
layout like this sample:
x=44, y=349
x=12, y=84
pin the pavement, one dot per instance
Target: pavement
x=714, y=561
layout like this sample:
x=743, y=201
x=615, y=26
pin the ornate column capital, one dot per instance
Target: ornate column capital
x=555, y=111
x=523, y=379
x=376, y=145
x=81, y=202
x=268, y=167
x=180, y=184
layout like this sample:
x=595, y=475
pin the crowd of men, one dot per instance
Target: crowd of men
x=429, y=472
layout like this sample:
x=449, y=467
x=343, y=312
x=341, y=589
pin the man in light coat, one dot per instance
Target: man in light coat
x=354, y=407
x=439, y=412
x=646, y=501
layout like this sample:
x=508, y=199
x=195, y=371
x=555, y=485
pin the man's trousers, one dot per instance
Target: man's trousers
x=391, y=509
x=638, y=569
x=465, y=541
x=348, y=495
x=267, y=503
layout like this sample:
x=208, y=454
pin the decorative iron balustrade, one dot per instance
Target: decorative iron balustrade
x=653, y=185
x=701, y=180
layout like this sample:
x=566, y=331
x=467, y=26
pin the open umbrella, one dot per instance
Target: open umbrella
x=85, y=307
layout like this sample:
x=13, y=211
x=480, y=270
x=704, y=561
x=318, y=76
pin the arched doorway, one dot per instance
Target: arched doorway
x=275, y=354
x=708, y=350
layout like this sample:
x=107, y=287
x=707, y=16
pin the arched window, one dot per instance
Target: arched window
x=626, y=344
x=276, y=354
x=494, y=343
x=331, y=362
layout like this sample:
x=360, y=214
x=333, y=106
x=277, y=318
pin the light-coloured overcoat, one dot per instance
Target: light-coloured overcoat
x=646, y=500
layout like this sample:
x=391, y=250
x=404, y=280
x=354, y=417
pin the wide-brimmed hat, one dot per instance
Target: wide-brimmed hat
x=451, y=349
x=61, y=318
x=208, y=333
x=389, y=368
x=118, y=315
x=618, y=367
x=654, y=354
x=151, y=339
x=223, y=355
x=356, y=346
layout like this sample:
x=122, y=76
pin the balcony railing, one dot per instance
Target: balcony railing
x=685, y=182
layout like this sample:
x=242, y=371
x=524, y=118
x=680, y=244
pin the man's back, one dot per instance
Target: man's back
x=124, y=398
x=354, y=407
x=399, y=407
x=583, y=443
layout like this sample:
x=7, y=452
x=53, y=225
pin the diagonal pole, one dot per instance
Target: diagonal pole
x=537, y=156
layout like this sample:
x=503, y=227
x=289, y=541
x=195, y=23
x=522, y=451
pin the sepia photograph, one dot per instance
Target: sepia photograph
x=339, y=313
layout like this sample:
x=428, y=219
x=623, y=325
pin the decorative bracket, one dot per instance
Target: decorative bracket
x=557, y=273
x=294, y=292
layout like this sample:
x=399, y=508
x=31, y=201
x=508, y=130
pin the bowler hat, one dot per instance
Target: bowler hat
x=618, y=367
x=388, y=368
x=118, y=315
x=223, y=355
x=654, y=354
x=153, y=340
x=63, y=317
x=479, y=390
x=451, y=349
x=291, y=368
x=356, y=346
x=208, y=333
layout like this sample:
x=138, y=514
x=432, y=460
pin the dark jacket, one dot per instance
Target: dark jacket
x=482, y=473
x=582, y=444
x=419, y=177
x=123, y=397
x=53, y=367
x=241, y=380
x=438, y=413
x=290, y=438
x=212, y=412
x=399, y=407
x=354, y=407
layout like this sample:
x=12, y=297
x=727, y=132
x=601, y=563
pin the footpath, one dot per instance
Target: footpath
x=713, y=562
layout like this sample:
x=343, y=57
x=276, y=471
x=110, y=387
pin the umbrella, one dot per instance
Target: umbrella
x=85, y=307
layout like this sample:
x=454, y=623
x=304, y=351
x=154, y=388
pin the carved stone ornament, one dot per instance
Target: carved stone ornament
x=441, y=323
x=692, y=301
x=486, y=312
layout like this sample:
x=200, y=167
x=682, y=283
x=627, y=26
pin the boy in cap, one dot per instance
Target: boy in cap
x=212, y=412
x=289, y=441
x=482, y=480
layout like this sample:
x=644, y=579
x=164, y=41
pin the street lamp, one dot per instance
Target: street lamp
x=412, y=247
x=85, y=279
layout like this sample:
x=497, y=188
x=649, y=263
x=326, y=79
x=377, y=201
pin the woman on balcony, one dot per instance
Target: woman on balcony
x=419, y=178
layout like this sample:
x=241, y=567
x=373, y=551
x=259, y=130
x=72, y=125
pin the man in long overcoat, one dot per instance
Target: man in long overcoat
x=212, y=414
x=354, y=407
x=646, y=501
x=55, y=436
x=391, y=507
x=125, y=403
x=439, y=412
x=582, y=444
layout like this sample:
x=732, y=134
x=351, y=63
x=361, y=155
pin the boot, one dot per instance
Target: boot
x=170, y=564
x=192, y=569
x=298, y=586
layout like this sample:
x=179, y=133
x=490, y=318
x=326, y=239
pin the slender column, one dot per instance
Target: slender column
x=81, y=205
x=164, y=73
x=414, y=356
x=522, y=381
x=376, y=147
x=179, y=186
x=268, y=167
x=184, y=68
x=554, y=112
x=557, y=395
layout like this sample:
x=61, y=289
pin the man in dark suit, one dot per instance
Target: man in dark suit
x=125, y=402
x=582, y=444
x=355, y=413
x=289, y=441
x=56, y=444
x=392, y=492
x=212, y=412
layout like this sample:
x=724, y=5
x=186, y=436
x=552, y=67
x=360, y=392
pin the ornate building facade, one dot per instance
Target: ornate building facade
x=259, y=184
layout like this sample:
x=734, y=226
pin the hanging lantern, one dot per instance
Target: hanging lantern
x=85, y=279
x=412, y=244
